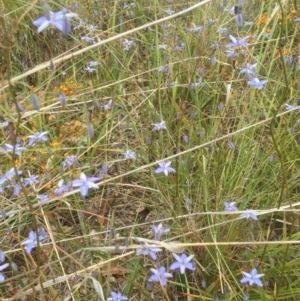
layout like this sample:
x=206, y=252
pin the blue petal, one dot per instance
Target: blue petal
x=39, y=21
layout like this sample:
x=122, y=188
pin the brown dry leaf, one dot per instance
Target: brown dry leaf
x=114, y=269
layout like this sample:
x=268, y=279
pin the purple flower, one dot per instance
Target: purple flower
x=2, y=256
x=237, y=42
x=159, y=126
x=32, y=241
x=164, y=167
x=195, y=28
x=169, y=11
x=3, y=124
x=103, y=172
x=31, y=180
x=61, y=188
x=239, y=20
x=89, y=69
x=230, y=207
x=88, y=39
x=108, y=106
x=2, y=267
x=158, y=231
x=10, y=148
x=92, y=27
x=160, y=276
x=129, y=155
x=35, y=102
x=127, y=44
x=249, y=214
x=62, y=99
x=252, y=278
x=9, y=175
x=249, y=70
x=162, y=47
x=148, y=251
x=93, y=64
x=69, y=161
x=84, y=183
x=258, y=84
x=116, y=297
x=230, y=145
x=60, y=19
x=36, y=137
x=289, y=107
x=164, y=69
x=43, y=197
x=182, y=262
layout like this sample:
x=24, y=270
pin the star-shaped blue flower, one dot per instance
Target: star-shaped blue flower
x=159, y=230
x=230, y=206
x=182, y=262
x=31, y=241
x=116, y=297
x=160, y=276
x=84, y=183
x=60, y=19
x=2, y=267
x=164, y=167
x=252, y=278
x=36, y=137
x=237, y=42
x=148, y=251
x=258, y=84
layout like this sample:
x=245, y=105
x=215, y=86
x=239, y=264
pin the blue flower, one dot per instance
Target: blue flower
x=159, y=126
x=88, y=39
x=31, y=242
x=249, y=214
x=60, y=19
x=148, y=251
x=116, y=297
x=9, y=175
x=10, y=148
x=89, y=69
x=195, y=28
x=31, y=180
x=249, y=70
x=239, y=20
x=289, y=107
x=3, y=124
x=128, y=44
x=69, y=161
x=43, y=197
x=258, y=84
x=160, y=276
x=84, y=183
x=230, y=206
x=93, y=64
x=182, y=262
x=129, y=155
x=108, y=106
x=36, y=137
x=61, y=188
x=237, y=42
x=252, y=278
x=162, y=47
x=169, y=11
x=2, y=256
x=159, y=230
x=2, y=267
x=165, y=168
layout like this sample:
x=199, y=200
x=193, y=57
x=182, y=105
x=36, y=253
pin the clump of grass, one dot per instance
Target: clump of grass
x=161, y=164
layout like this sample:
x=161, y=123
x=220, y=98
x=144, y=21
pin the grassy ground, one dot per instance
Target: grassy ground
x=227, y=141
